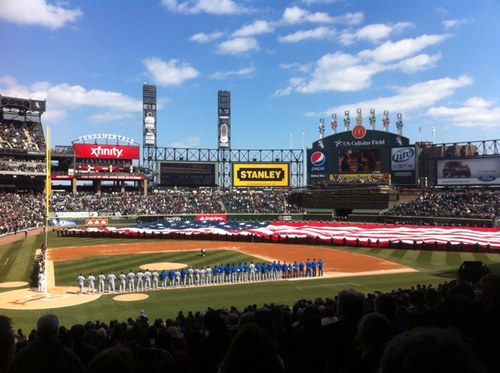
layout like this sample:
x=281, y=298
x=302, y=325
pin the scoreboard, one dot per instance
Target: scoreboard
x=188, y=174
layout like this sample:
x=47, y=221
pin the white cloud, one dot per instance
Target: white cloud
x=414, y=97
x=169, y=72
x=391, y=51
x=373, y=33
x=292, y=85
x=62, y=98
x=76, y=96
x=247, y=71
x=454, y=23
x=318, y=33
x=474, y=112
x=110, y=116
x=256, y=28
x=418, y=63
x=348, y=73
x=295, y=15
x=190, y=142
x=311, y=2
x=336, y=72
x=350, y=18
x=38, y=12
x=220, y=7
x=202, y=37
x=296, y=66
x=238, y=46
x=340, y=72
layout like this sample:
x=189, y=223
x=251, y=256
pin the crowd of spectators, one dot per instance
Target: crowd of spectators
x=26, y=210
x=463, y=203
x=21, y=135
x=451, y=327
x=178, y=201
x=21, y=211
x=22, y=165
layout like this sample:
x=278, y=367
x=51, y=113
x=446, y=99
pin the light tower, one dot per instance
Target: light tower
x=385, y=121
x=399, y=124
x=372, y=119
x=149, y=127
x=224, y=137
x=347, y=120
x=333, y=123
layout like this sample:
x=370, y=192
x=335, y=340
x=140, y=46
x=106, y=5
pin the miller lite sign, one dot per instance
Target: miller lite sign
x=403, y=159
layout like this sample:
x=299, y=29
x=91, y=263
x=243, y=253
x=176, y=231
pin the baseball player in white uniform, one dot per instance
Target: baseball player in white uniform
x=91, y=283
x=131, y=281
x=155, y=275
x=111, y=282
x=140, y=281
x=80, y=280
x=147, y=280
x=123, y=278
x=41, y=282
x=100, y=283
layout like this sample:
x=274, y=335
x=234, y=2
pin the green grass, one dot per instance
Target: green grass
x=16, y=260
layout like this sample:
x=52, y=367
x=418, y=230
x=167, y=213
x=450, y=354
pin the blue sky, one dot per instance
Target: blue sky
x=286, y=63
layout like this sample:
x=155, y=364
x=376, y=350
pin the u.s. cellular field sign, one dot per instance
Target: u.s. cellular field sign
x=261, y=175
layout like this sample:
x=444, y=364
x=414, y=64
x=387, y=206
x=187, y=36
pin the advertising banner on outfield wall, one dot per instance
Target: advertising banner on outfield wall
x=103, y=151
x=261, y=175
x=211, y=217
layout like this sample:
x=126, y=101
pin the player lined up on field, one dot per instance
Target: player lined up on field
x=189, y=276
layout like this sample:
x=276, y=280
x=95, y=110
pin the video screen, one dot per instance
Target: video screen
x=188, y=174
x=360, y=161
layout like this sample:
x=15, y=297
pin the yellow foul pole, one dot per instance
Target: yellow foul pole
x=48, y=183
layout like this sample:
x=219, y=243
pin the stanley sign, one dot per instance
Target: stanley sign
x=261, y=175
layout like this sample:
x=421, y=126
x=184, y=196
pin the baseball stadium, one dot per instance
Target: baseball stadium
x=116, y=235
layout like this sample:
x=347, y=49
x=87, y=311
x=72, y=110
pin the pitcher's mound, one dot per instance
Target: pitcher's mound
x=162, y=266
x=13, y=284
x=130, y=297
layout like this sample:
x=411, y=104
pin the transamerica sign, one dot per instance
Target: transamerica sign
x=106, y=151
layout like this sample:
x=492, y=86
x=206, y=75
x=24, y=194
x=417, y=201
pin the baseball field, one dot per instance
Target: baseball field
x=363, y=269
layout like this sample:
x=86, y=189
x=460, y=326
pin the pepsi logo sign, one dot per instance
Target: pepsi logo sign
x=403, y=155
x=318, y=159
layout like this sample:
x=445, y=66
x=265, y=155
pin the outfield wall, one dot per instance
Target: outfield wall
x=326, y=216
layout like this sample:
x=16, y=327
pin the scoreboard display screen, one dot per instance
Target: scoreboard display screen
x=359, y=161
x=188, y=174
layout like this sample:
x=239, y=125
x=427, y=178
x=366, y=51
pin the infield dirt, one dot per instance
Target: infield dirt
x=337, y=263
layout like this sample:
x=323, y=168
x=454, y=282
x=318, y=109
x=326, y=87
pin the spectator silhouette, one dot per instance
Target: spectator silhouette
x=82, y=349
x=7, y=343
x=112, y=360
x=208, y=354
x=386, y=305
x=252, y=351
x=374, y=331
x=335, y=342
x=429, y=350
x=489, y=298
x=46, y=354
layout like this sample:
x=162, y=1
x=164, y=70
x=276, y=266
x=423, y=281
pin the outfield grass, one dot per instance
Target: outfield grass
x=16, y=260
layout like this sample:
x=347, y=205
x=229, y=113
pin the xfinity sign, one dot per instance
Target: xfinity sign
x=99, y=151
x=106, y=151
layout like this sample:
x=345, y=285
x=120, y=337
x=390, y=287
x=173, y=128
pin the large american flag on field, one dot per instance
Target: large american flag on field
x=325, y=232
